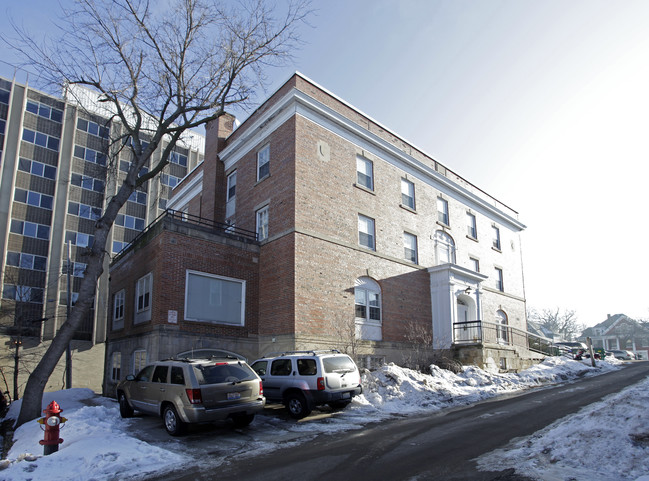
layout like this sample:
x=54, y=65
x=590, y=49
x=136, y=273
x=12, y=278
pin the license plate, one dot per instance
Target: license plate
x=346, y=395
x=234, y=395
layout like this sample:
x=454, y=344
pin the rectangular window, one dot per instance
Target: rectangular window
x=176, y=158
x=88, y=183
x=143, y=293
x=138, y=197
x=30, y=229
x=169, y=180
x=41, y=139
x=44, y=111
x=263, y=163
x=472, y=226
x=79, y=239
x=442, y=211
x=90, y=155
x=496, y=240
x=130, y=222
x=230, y=206
x=118, y=305
x=366, y=232
x=499, y=280
x=85, y=211
x=23, y=293
x=26, y=261
x=79, y=269
x=93, y=128
x=118, y=246
x=35, y=199
x=212, y=298
x=4, y=96
x=139, y=361
x=475, y=264
x=262, y=223
x=365, y=173
x=232, y=186
x=37, y=168
x=116, y=369
x=410, y=247
x=408, y=193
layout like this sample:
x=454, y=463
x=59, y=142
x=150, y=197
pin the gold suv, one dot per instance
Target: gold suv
x=184, y=391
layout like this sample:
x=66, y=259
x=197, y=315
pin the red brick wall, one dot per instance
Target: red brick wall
x=168, y=256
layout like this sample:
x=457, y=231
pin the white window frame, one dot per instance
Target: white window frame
x=368, y=290
x=444, y=248
x=231, y=195
x=365, y=225
x=475, y=264
x=116, y=367
x=410, y=247
x=472, y=225
x=408, y=194
x=118, y=306
x=263, y=159
x=261, y=228
x=144, y=291
x=442, y=211
x=364, y=173
x=500, y=279
x=208, y=276
x=496, y=237
x=139, y=360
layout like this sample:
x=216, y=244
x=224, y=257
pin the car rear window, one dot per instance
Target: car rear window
x=338, y=363
x=222, y=373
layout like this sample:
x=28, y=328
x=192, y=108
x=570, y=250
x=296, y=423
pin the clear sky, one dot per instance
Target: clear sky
x=543, y=104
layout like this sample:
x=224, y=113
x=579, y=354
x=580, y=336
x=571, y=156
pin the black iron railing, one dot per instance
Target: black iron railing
x=212, y=226
x=483, y=332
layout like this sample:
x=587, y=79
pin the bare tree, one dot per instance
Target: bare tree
x=159, y=69
x=342, y=329
x=562, y=322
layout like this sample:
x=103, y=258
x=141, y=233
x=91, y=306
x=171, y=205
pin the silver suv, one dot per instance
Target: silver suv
x=184, y=391
x=302, y=380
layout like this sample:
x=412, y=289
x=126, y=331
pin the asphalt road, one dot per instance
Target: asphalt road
x=439, y=446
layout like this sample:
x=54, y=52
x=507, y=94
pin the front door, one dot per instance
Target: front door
x=462, y=311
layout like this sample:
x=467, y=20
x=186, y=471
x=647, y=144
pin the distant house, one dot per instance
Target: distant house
x=310, y=224
x=620, y=332
x=542, y=331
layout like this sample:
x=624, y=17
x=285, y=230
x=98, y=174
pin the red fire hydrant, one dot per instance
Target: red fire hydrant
x=52, y=422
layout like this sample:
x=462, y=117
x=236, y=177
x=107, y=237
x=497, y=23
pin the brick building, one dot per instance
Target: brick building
x=57, y=168
x=308, y=218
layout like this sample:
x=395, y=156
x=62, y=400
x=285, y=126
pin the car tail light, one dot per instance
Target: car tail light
x=261, y=388
x=194, y=395
x=321, y=384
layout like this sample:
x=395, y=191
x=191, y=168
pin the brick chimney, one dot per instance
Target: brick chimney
x=213, y=195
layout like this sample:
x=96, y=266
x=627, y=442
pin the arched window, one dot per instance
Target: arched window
x=501, y=320
x=444, y=248
x=367, y=295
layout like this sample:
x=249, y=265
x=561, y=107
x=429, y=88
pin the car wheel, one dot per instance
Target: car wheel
x=125, y=409
x=173, y=424
x=297, y=405
x=335, y=405
x=243, y=420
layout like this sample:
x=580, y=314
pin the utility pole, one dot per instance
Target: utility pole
x=68, y=351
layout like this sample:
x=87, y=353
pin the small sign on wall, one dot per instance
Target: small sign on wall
x=172, y=317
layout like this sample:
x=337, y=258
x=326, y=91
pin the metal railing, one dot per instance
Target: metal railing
x=216, y=227
x=483, y=332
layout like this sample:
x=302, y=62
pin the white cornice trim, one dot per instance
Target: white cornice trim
x=193, y=188
x=297, y=102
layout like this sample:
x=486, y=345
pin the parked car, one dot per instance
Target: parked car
x=302, y=380
x=623, y=355
x=184, y=391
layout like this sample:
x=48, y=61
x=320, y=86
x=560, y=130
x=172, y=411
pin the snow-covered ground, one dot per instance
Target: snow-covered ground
x=608, y=440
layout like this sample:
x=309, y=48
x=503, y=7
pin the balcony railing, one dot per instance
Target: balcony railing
x=482, y=332
x=212, y=226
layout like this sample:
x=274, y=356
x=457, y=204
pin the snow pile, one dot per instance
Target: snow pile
x=393, y=389
x=606, y=440
x=99, y=445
